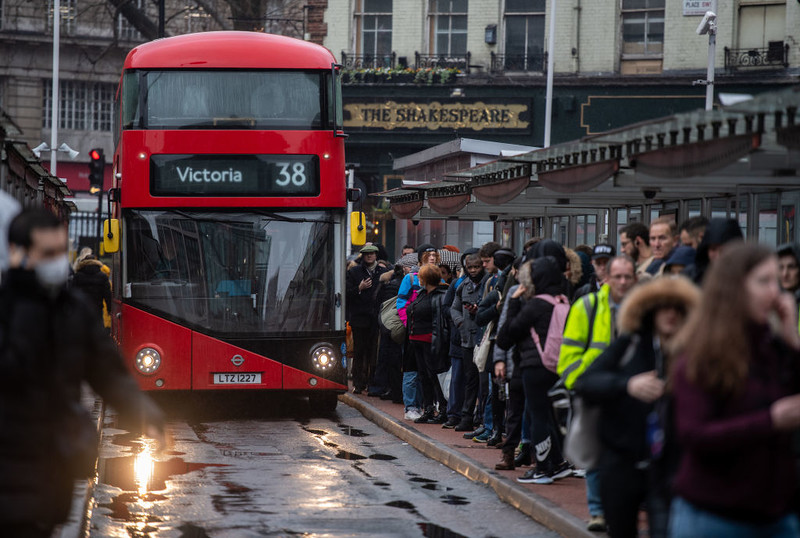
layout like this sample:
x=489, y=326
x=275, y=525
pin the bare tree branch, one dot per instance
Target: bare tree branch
x=138, y=20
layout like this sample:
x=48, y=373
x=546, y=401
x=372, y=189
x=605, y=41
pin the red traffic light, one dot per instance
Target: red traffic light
x=96, y=155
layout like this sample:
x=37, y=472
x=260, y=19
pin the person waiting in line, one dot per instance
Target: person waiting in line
x=634, y=241
x=462, y=312
x=428, y=333
x=628, y=381
x=681, y=258
x=789, y=268
x=591, y=327
x=362, y=296
x=735, y=388
x=663, y=240
x=720, y=231
x=388, y=379
x=692, y=231
x=455, y=401
x=601, y=254
x=526, y=312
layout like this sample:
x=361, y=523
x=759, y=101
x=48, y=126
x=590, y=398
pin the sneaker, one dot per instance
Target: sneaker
x=425, y=417
x=472, y=434
x=465, y=426
x=437, y=419
x=412, y=413
x=579, y=473
x=482, y=438
x=534, y=476
x=451, y=423
x=563, y=470
x=597, y=524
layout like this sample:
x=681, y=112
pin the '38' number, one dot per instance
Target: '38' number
x=294, y=173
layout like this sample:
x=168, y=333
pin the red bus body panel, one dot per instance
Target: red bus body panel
x=140, y=329
x=210, y=356
x=229, y=50
x=294, y=379
x=140, y=145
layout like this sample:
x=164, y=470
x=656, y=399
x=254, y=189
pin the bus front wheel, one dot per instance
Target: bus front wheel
x=323, y=403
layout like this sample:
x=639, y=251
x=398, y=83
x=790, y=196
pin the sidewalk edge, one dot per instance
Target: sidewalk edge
x=535, y=506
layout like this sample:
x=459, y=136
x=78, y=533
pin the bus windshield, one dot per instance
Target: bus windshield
x=233, y=274
x=223, y=99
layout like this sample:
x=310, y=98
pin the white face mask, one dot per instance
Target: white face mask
x=54, y=273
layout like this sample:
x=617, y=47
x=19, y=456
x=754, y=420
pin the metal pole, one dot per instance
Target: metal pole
x=712, y=48
x=55, y=101
x=551, y=38
x=99, y=222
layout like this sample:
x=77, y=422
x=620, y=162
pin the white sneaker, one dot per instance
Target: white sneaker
x=579, y=473
x=413, y=413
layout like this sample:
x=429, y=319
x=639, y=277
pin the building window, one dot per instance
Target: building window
x=68, y=15
x=197, y=20
x=84, y=106
x=125, y=30
x=760, y=25
x=524, y=35
x=642, y=27
x=449, y=27
x=375, y=27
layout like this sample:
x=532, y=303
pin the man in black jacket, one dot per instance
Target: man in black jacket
x=50, y=341
x=362, y=300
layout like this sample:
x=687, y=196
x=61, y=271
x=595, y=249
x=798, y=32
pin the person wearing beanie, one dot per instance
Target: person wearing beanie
x=719, y=232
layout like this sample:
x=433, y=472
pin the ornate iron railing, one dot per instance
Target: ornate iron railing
x=449, y=61
x=518, y=62
x=367, y=61
x=774, y=56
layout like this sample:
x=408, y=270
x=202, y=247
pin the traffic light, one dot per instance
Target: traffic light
x=97, y=168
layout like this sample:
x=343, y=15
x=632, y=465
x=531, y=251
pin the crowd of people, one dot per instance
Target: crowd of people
x=684, y=347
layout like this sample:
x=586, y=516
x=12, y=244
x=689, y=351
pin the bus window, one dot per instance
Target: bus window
x=225, y=99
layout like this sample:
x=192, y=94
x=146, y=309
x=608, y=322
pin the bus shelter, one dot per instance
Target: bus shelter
x=739, y=161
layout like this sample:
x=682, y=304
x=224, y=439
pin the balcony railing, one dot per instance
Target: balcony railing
x=449, y=61
x=775, y=56
x=501, y=63
x=367, y=61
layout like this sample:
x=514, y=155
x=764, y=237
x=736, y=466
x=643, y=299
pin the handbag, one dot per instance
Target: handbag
x=481, y=354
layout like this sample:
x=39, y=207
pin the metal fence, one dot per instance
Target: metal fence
x=83, y=229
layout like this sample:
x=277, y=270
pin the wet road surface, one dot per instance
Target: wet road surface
x=255, y=466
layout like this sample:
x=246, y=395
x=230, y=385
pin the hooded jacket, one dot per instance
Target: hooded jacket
x=48, y=346
x=718, y=232
x=90, y=280
x=468, y=292
x=547, y=278
x=623, y=420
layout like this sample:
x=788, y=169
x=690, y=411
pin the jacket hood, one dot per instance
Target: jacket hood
x=84, y=264
x=646, y=298
x=682, y=255
x=548, y=247
x=547, y=276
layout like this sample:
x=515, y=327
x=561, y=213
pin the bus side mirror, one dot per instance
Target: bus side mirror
x=111, y=235
x=358, y=228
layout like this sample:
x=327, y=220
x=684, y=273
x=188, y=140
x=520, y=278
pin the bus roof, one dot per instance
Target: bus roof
x=248, y=50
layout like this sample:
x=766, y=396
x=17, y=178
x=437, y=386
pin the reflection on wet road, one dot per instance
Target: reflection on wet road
x=248, y=466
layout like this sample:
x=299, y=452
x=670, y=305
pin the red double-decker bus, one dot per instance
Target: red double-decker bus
x=230, y=216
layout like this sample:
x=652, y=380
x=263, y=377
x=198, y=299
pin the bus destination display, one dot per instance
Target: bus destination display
x=234, y=175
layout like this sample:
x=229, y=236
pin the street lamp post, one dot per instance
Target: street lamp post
x=709, y=26
x=55, y=101
x=548, y=113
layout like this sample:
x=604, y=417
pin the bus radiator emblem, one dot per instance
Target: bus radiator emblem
x=237, y=360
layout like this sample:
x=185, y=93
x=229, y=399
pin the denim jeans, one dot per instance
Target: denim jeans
x=593, y=492
x=688, y=521
x=412, y=391
x=456, y=400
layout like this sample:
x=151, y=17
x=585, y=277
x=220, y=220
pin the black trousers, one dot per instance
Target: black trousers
x=388, y=369
x=515, y=409
x=365, y=351
x=431, y=389
x=545, y=437
x=471, y=384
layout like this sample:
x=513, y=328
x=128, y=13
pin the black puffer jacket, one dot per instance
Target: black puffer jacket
x=91, y=281
x=47, y=348
x=426, y=316
x=522, y=315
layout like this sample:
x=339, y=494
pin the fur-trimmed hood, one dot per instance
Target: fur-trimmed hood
x=647, y=297
x=83, y=264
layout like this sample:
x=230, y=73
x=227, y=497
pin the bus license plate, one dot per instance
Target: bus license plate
x=237, y=379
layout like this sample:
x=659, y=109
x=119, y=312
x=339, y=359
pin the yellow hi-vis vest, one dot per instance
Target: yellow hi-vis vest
x=586, y=334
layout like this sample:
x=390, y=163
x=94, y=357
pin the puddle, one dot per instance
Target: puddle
x=405, y=505
x=383, y=484
x=135, y=473
x=424, y=480
x=235, y=489
x=454, y=499
x=345, y=455
x=432, y=487
x=437, y=531
x=352, y=432
x=119, y=507
x=382, y=457
x=316, y=432
x=192, y=531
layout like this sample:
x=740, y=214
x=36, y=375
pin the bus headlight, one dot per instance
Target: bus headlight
x=323, y=357
x=148, y=360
